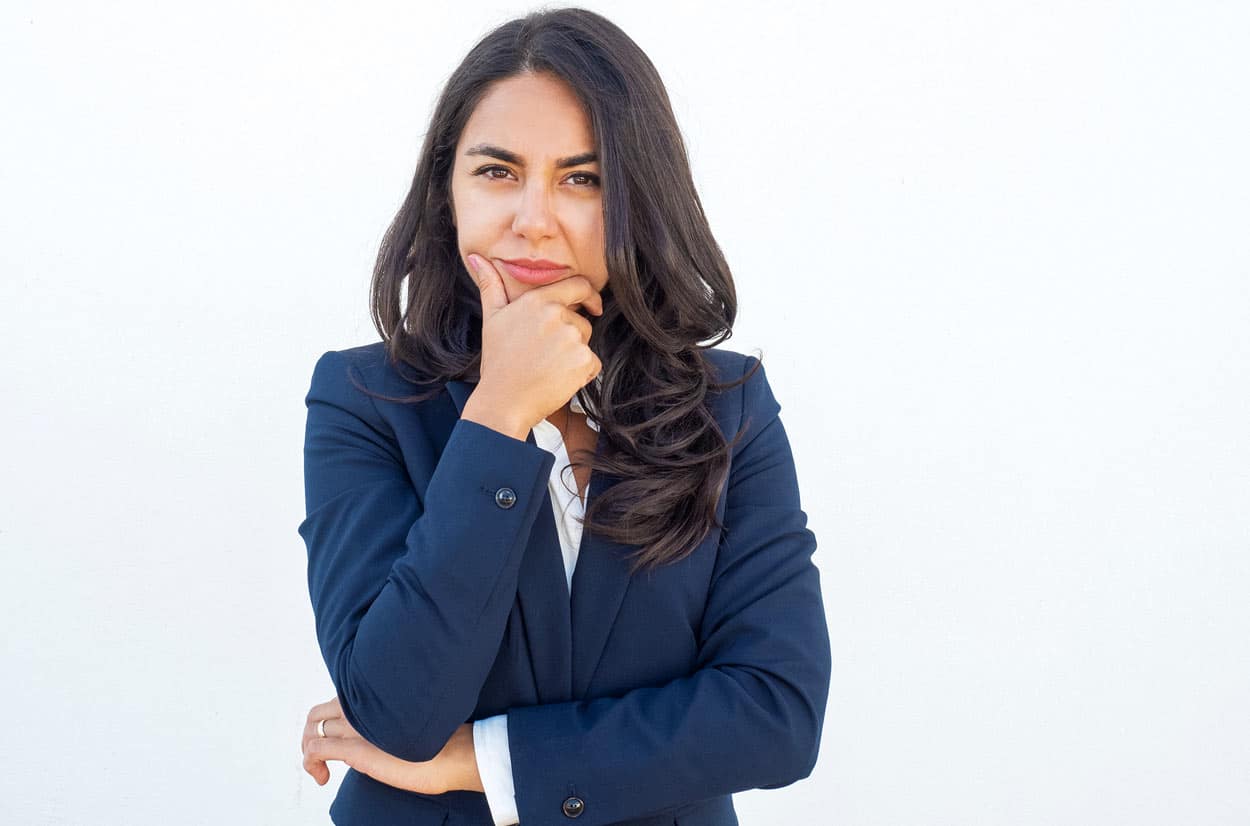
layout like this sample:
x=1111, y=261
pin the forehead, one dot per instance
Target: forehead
x=537, y=116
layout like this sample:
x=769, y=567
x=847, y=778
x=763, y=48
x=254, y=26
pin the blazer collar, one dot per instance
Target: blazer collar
x=566, y=633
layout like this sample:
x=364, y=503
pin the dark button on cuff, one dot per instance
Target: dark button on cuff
x=505, y=497
x=573, y=807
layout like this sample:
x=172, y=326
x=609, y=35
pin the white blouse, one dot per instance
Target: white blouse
x=490, y=735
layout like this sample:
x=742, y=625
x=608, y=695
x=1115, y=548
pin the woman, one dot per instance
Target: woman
x=541, y=298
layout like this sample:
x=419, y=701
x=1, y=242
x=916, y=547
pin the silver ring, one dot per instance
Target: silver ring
x=321, y=728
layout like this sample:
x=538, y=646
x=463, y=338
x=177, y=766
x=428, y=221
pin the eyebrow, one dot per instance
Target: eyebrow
x=513, y=158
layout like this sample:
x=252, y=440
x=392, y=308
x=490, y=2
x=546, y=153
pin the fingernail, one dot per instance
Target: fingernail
x=473, y=263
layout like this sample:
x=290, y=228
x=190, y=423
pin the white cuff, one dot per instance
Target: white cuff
x=494, y=764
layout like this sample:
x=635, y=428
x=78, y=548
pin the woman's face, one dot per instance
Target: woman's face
x=525, y=183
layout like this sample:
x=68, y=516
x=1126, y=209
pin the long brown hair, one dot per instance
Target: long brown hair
x=669, y=295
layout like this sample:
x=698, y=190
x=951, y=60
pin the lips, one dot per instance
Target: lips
x=535, y=272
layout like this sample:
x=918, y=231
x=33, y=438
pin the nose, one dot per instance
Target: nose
x=534, y=218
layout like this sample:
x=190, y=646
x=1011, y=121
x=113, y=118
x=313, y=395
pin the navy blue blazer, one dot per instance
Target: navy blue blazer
x=439, y=593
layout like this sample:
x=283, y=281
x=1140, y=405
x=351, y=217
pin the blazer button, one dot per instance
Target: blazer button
x=573, y=807
x=505, y=497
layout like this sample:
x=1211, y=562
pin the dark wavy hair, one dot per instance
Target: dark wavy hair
x=669, y=287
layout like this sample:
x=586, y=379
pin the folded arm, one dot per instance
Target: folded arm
x=750, y=716
x=410, y=597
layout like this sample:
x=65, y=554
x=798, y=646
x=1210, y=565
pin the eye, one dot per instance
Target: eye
x=486, y=170
x=590, y=179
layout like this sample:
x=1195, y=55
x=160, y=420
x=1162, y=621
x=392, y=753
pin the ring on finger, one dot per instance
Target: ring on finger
x=321, y=728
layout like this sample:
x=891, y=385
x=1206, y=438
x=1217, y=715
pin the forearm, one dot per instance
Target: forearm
x=719, y=731
x=411, y=597
x=450, y=592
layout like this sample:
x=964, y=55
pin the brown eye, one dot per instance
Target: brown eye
x=486, y=170
x=589, y=178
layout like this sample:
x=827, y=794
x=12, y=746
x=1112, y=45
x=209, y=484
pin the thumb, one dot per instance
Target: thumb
x=490, y=284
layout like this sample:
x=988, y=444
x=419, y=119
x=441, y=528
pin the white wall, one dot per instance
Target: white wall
x=995, y=255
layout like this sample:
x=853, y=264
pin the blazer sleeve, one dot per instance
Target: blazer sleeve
x=410, y=597
x=750, y=716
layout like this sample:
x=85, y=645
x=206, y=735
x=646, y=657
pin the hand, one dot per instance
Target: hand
x=455, y=767
x=535, y=350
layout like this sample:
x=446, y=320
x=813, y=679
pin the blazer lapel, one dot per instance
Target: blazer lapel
x=600, y=581
x=544, y=602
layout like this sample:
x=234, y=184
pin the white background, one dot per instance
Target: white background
x=995, y=256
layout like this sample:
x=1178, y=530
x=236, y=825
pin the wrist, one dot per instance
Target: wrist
x=482, y=408
x=468, y=778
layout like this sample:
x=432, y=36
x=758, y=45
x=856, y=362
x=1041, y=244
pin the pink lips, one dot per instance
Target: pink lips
x=533, y=272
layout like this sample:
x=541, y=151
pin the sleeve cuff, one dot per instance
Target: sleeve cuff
x=494, y=764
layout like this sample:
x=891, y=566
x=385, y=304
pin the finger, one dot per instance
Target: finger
x=596, y=367
x=576, y=290
x=580, y=322
x=317, y=770
x=334, y=727
x=355, y=753
x=321, y=713
x=326, y=710
x=317, y=750
x=342, y=728
x=489, y=285
x=315, y=765
x=310, y=734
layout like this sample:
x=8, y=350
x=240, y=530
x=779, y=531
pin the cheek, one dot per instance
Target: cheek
x=472, y=216
x=590, y=249
x=588, y=233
